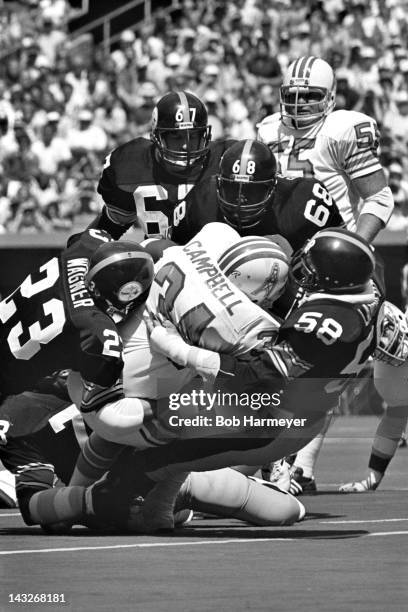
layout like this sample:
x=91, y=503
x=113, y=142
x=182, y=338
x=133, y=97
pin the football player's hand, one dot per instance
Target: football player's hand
x=151, y=320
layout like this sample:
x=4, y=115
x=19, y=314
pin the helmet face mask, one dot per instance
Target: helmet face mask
x=392, y=334
x=245, y=183
x=307, y=93
x=119, y=278
x=180, y=131
x=333, y=261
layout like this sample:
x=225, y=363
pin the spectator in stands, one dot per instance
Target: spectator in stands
x=235, y=51
x=87, y=137
x=51, y=150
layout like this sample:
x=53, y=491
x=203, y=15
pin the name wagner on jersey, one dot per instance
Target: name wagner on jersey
x=76, y=271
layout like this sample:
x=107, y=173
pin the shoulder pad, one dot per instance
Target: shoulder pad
x=341, y=124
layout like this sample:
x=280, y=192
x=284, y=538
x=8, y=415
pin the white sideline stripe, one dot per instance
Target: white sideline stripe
x=144, y=545
x=10, y=514
x=204, y=543
x=390, y=520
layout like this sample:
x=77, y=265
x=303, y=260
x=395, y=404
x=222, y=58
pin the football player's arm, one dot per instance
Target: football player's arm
x=378, y=204
x=359, y=159
x=119, y=213
x=166, y=340
x=105, y=222
x=269, y=368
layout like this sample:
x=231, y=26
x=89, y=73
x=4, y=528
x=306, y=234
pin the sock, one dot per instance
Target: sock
x=307, y=457
x=387, y=436
x=96, y=458
x=226, y=492
x=57, y=505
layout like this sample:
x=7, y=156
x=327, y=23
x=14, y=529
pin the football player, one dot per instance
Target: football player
x=390, y=380
x=248, y=194
x=152, y=181
x=214, y=312
x=339, y=148
x=51, y=321
x=324, y=342
x=41, y=433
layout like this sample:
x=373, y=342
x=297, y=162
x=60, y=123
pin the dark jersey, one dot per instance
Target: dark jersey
x=40, y=438
x=134, y=186
x=298, y=209
x=50, y=322
x=323, y=343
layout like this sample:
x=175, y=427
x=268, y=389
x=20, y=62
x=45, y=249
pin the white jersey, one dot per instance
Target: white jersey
x=208, y=310
x=147, y=374
x=338, y=149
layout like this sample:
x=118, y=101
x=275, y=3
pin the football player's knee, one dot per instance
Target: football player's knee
x=268, y=505
x=116, y=421
x=390, y=382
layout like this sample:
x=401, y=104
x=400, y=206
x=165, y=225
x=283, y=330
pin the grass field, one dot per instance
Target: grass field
x=350, y=554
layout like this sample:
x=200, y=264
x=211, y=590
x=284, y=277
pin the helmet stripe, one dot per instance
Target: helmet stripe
x=295, y=67
x=303, y=66
x=235, y=249
x=245, y=156
x=245, y=258
x=184, y=103
x=242, y=247
x=310, y=61
x=348, y=238
x=114, y=258
x=259, y=248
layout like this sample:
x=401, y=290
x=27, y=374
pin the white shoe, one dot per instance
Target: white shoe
x=8, y=497
x=277, y=473
x=362, y=486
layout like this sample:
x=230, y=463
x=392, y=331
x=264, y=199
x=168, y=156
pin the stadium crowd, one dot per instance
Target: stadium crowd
x=63, y=107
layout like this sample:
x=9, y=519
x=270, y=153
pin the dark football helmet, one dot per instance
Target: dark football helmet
x=245, y=183
x=180, y=130
x=119, y=277
x=334, y=261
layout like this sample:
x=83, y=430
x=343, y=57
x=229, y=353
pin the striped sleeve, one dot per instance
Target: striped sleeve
x=359, y=146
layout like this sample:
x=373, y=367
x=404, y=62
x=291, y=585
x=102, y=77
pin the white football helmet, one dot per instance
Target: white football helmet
x=258, y=267
x=307, y=93
x=392, y=335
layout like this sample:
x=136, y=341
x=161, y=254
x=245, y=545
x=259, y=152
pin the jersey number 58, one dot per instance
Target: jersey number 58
x=327, y=330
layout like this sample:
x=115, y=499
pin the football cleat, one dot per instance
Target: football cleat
x=403, y=441
x=361, y=486
x=277, y=473
x=8, y=498
x=301, y=485
x=182, y=517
